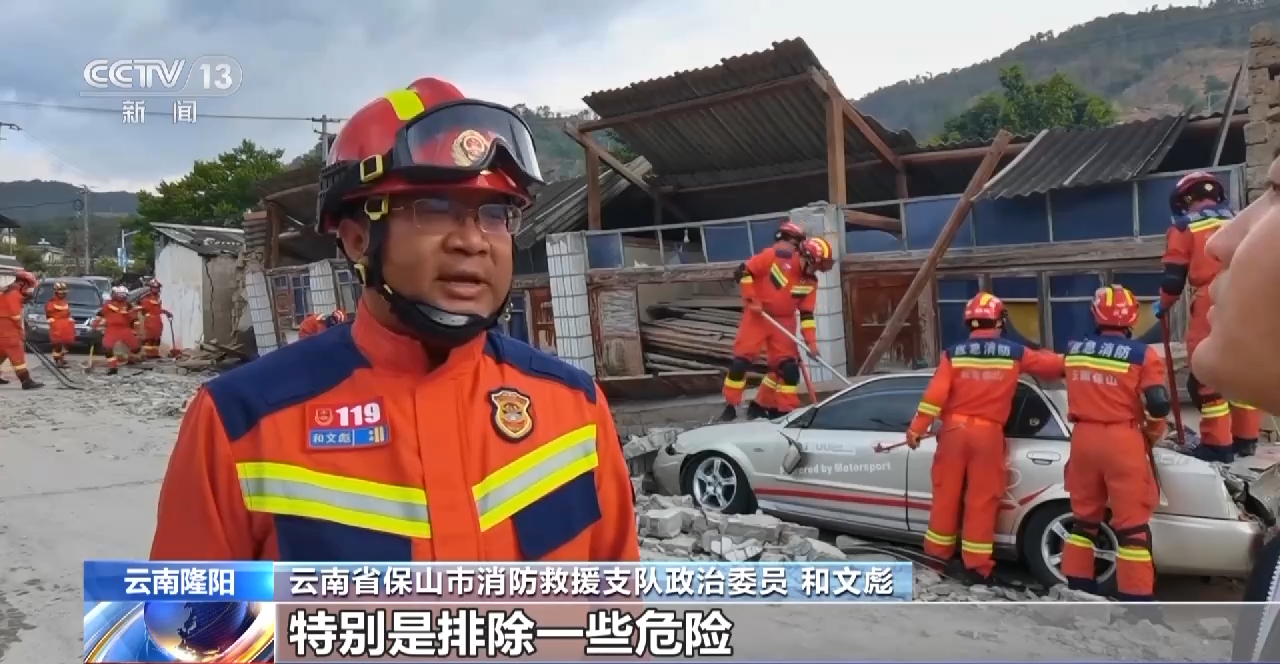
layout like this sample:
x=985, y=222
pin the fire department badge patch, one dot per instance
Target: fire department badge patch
x=512, y=414
x=469, y=147
x=324, y=417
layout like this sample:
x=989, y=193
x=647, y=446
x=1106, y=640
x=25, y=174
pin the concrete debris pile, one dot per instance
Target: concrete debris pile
x=146, y=394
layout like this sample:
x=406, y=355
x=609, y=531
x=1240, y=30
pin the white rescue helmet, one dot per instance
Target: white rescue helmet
x=119, y=292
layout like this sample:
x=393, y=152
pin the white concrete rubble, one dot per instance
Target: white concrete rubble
x=80, y=472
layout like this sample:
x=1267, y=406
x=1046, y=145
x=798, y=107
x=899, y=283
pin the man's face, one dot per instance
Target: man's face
x=1238, y=358
x=445, y=257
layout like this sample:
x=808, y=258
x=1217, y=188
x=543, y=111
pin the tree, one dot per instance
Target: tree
x=1214, y=85
x=1024, y=107
x=32, y=258
x=618, y=147
x=214, y=193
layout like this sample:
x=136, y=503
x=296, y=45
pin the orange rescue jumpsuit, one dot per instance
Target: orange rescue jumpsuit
x=152, y=324
x=1110, y=464
x=62, y=328
x=1187, y=263
x=775, y=280
x=119, y=338
x=312, y=325
x=12, y=332
x=972, y=393
x=350, y=448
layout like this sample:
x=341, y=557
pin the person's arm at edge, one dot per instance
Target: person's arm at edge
x=201, y=513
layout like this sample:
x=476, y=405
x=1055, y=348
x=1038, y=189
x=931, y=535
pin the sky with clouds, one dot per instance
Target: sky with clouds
x=306, y=58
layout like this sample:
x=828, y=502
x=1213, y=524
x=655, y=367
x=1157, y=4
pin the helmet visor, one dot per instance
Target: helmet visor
x=468, y=137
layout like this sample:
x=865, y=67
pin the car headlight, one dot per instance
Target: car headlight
x=37, y=319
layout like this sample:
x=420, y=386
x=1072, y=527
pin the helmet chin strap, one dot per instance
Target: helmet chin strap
x=430, y=324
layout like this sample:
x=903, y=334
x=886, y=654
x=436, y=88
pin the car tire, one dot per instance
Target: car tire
x=1042, y=538
x=701, y=468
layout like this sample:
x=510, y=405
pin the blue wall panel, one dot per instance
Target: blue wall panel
x=604, y=251
x=951, y=288
x=727, y=242
x=925, y=220
x=870, y=242
x=1071, y=321
x=762, y=232
x=1153, y=205
x=951, y=329
x=1143, y=284
x=1074, y=285
x=1021, y=220
x=1016, y=288
x=1092, y=213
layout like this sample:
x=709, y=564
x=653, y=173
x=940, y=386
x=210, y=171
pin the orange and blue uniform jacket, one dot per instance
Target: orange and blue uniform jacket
x=352, y=448
x=775, y=279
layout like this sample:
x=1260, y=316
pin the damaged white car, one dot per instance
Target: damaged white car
x=1210, y=520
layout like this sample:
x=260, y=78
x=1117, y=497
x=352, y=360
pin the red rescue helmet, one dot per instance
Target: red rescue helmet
x=1114, y=306
x=984, y=307
x=426, y=136
x=23, y=281
x=816, y=251
x=119, y=293
x=1193, y=188
x=789, y=230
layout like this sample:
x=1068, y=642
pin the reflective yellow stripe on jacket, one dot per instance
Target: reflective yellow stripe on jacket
x=535, y=475
x=285, y=489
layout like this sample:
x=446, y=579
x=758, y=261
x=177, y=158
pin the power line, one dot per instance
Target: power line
x=116, y=111
x=29, y=206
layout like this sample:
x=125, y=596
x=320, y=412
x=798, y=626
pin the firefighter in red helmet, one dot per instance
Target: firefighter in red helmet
x=449, y=440
x=1199, y=207
x=12, y=333
x=972, y=394
x=1118, y=400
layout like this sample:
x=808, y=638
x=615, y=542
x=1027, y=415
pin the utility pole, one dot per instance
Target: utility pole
x=324, y=137
x=88, y=260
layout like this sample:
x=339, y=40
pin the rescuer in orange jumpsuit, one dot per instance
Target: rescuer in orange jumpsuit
x=816, y=256
x=315, y=324
x=1199, y=209
x=787, y=239
x=12, y=332
x=118, y=318
x=150, y=309
x=419, y=432
x=62, y=329
x=972, y=393
x=771, y=282
x=1118, y=401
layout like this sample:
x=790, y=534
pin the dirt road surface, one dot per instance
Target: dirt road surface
x=80, y=473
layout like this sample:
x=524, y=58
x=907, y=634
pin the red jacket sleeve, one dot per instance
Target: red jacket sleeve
x=1178, y=250
x=935, y=397
x=1043, y=364
x=201, y=515
x=49, y=308
x=809, y=325
x=755, y=267
x=614, y=538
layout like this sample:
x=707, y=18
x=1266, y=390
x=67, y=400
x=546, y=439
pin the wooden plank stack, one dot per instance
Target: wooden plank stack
x=691, y=334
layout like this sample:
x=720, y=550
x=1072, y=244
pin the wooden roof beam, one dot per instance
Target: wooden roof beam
x=591, y=146
x=827, y=85
x=866, y=221
x=696, y=104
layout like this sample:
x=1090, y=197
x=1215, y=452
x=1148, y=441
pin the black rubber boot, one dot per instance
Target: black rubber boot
x=730, y=413
x=29, y=383
x=1244, y=447
x=113, y=371
x=755, y=411
x=1214, y=453
x=4, y=381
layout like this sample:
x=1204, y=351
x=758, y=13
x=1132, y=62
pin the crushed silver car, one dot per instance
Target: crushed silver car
x=819, y=466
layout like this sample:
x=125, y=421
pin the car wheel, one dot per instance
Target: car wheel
x=717, y=484
x=1044, y=538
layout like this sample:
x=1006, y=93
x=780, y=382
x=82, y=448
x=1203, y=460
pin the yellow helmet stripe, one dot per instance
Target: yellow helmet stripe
x=984, y=299
x=406, y=103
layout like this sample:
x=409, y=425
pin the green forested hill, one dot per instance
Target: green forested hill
x=1154, y=62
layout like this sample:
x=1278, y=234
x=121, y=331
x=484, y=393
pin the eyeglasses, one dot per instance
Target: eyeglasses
x=439, y=214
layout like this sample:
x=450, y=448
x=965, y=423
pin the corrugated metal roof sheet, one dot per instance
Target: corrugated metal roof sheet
x=204, y=240
x=562, y=206
x=1065, y=158
x=779, y=132
x=8, y=222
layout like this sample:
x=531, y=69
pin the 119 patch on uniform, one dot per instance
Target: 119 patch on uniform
x=347, y=426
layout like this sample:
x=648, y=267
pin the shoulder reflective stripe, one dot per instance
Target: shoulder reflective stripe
x=531, y=477
x=279, y=488
x=406, y=103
